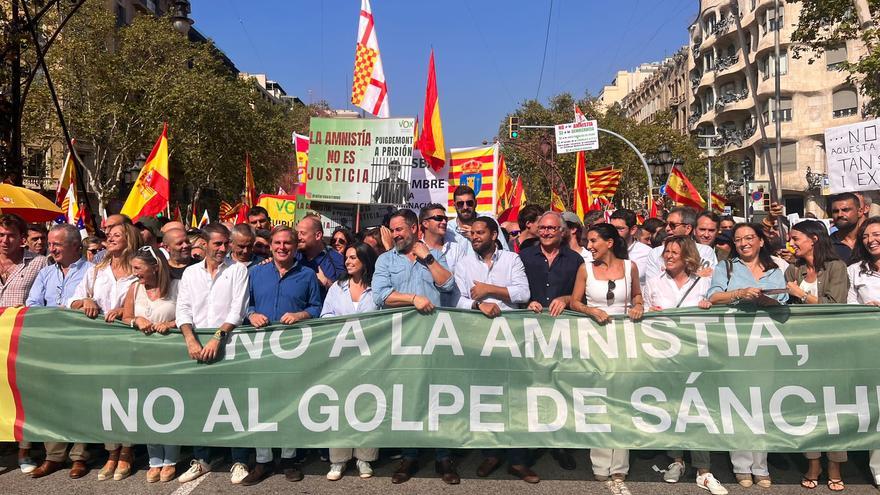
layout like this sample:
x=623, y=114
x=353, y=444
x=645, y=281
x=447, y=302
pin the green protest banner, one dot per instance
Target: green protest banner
x=360, y=161
x=799, y=378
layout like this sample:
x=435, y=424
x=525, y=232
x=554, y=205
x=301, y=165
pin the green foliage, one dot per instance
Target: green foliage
x=525, y=160
x=825, y=24
x=118, y=85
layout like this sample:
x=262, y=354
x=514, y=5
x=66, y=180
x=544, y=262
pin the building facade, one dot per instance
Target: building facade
x=623, y=83
x=813, y=96
x=666, y=90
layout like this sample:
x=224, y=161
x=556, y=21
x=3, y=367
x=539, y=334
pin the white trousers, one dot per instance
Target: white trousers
x=338, y=456
x=749, y=462
x=607, y=461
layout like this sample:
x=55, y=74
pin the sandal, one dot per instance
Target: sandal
x=810, y=484
x=836, y=485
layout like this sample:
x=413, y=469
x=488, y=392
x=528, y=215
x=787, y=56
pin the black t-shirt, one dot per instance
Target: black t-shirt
x=547, y=282
x=177, y=273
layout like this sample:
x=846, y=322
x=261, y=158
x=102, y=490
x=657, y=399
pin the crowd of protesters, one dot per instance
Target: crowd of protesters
x=155, y=276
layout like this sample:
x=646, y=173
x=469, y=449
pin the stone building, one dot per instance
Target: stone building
x=666, y=89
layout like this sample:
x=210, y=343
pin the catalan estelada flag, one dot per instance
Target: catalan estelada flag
x=680, y=189
x=582, y=199
x=149, y=194
x=430, y=142
x=476, y=168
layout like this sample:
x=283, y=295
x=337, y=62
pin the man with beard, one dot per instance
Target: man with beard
x=491, y=281
x=327, y=264
x=846, y=215
x=179, y=249
x=465, y=201
x=411, y=274
x=624, y=221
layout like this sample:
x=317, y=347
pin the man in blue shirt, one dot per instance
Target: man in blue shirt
x=287, y=292
x=327, y=264
x=53, y=286
x=412, y=275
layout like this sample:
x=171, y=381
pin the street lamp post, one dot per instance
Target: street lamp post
x=180, y=16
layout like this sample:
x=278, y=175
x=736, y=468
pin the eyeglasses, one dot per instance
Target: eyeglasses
x=745, y=238
x=548, y=228
x=469, y=202
x=609, y=297
x=151, y=251
x=438, y=218
x=673, y=225
x=92, y=251
x=339, y=240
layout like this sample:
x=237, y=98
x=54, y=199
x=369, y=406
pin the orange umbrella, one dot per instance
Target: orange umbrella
x=29, y=205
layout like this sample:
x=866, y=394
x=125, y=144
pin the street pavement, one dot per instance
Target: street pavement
x=785, y=469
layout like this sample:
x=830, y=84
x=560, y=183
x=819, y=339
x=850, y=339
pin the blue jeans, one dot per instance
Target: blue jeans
x=239, y=454
x=413, y=454
x=163, y=455
x=515, y=457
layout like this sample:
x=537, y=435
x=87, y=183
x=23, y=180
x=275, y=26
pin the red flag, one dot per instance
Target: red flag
x=680, y=189
x=581, y=183
x=518, y=200
x=431, y=143
x=250, y=191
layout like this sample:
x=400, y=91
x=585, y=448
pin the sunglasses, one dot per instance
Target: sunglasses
x=151, y=251
x=93, y=250
x=673, y=225
x=339, y=240
x=438, y=218
x=609, y=297
x=469, y=202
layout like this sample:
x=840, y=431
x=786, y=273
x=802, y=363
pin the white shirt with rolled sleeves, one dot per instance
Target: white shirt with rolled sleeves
x=655, y=260
x=506, y=271
x=662, y=291
x=863, y=287
x=100, y=285
x=206, y=302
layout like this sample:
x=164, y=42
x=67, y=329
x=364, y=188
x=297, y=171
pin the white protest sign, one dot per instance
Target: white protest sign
x=427, y=186
x=577, y=136
x=852, y=157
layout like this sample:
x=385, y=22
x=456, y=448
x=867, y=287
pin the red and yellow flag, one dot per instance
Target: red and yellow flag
x=582, y=199
x=556, y=203
x=505, y=187
x=474, y=167
x=680, y=189
x=603, y=182
x=150, y=194
x=250, y=191
x=301, y=145
x=518, y=200
x=718, y=202
x=67, y=179
x=430, y=142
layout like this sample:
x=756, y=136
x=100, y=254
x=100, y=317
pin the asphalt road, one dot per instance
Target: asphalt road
x=785, y=469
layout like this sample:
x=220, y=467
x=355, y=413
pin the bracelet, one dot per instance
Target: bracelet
x=219, y=334
x=131, y=323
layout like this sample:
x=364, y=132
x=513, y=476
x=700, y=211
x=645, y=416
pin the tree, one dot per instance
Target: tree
x=525, y=159
x=826, y=24
x=119, y=84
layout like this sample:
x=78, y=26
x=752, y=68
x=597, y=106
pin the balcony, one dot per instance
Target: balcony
x=725, y=63
x=40, y=183
x=721, y=26
x=730, y=98
x=694, y=118
x=696, y=49
x=676, y=100
x=734, y=138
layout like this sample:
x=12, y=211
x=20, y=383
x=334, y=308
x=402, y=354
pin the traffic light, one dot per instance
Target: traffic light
x=513, y=127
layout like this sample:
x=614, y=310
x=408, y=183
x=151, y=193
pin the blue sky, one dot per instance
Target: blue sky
x=488, y=52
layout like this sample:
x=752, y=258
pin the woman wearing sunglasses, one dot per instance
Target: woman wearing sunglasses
x=342, y=239
x=679, y=286
x=608, y=286
x=750, y=275
x=103, y=290
x=149, y=307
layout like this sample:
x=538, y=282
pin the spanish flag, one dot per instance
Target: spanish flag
x=556, y=203
x=718, y=202
x=431, y=143
x=150, y=194
x=680, y=190
x=582, y=199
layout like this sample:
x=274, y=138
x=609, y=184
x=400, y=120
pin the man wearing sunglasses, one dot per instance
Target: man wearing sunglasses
x=55, y=284
x=465, y=200
x=681, y=221
x=433, y=223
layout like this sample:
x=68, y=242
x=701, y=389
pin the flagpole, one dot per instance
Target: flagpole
x=357, y=218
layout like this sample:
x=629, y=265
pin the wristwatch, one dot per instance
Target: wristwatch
x=429, y=259
x=475, y=305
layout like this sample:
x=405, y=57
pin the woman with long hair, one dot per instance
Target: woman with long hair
x=351, y=294
x=341, y=240
x=817, y=276
x=103, y=290
x=751, y=275
x=864, y=288
x=680, y=286
x=608, y=286
x=149, y=307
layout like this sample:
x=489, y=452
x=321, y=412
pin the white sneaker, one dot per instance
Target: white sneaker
x=336, y=470
x=673, y=472
x=239, y=472
x=877, y=479
x=365, y=469
x=27, y=465
x=196, y=469
x=709, y=483
x=617, y=487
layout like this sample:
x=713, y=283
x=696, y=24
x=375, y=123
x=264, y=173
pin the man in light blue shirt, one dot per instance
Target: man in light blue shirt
x=56, y=283
x=53, y=286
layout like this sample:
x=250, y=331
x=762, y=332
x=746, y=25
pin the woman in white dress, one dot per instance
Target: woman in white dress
x=606, y=287
x=352, y=294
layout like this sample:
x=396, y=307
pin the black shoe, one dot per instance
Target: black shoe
x=290, y=470
x=406, y=470
x=564, y=458
x=446, y=469
x=260, y=472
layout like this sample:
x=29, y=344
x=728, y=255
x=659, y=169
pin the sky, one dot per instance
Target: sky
x=488, y=53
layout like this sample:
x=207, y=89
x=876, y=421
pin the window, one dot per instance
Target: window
x=768, y=64
x=708, y=62
x=784, y=110
x=835, y=57
x=845, y=103
x=728, y=89
x=789, y=156
x=772, y=21
x=752, y=5
x=708, y=101
x=36, y=163
x=709, y=23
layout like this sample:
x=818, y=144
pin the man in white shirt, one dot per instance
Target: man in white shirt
x=212, y=294
x=681, y=221
x=433, y=225
x=624, y=221
x=491, y=280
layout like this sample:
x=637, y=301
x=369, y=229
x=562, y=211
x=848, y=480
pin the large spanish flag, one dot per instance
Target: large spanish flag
x=150, y=194
x=680, y=189
x=476, y=168
x=582, y=199
x=431, y=143
x=718, y=202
